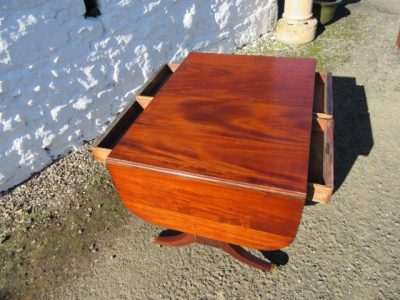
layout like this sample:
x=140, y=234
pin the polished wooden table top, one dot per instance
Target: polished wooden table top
x=241, y=120
x=222, y=150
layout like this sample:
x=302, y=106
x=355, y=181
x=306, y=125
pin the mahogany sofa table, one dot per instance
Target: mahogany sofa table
x=221, y=152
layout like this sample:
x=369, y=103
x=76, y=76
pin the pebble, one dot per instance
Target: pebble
x=93, y=248
x=4, y=238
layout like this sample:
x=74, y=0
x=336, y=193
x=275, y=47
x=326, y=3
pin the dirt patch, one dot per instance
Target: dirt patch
x=31, y=256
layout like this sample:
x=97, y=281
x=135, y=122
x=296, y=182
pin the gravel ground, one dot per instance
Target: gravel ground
x=65, y=234
x=50, y=190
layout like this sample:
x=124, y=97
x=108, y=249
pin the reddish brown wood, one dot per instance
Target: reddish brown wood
x=323, y=101
x=220, y=211
x=320, y=184
x=322, y=109
x=208, y=97
x=179, y=239
x=398, y=41
x=246, y=257
x=222, y=150
x=102, y=148
x=320, y=175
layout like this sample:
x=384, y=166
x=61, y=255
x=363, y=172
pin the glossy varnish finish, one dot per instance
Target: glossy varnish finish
x=222, y=150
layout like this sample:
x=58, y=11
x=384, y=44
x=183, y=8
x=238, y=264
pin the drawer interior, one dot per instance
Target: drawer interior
x=320, y=173
x=107, y=141
x=323, y=102
x=155, y=83
x=321, y=153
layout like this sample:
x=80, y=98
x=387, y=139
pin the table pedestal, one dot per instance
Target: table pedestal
x=173, y=238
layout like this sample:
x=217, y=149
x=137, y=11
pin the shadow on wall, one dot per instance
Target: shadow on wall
x=353, y=132
x=281, y=6
x=92, y=8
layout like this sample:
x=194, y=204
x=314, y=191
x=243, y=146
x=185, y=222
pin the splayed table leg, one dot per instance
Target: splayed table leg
x=173, y=238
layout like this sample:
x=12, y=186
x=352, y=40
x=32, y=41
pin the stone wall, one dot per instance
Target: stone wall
x=63, y=78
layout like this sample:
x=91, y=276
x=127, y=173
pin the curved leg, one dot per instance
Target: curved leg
x=246, y=257
x=174, y=238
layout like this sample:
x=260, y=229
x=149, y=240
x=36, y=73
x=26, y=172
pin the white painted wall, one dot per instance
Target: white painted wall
x=63, y=78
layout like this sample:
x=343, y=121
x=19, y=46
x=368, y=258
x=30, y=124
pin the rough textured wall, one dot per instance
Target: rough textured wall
x=63, y=78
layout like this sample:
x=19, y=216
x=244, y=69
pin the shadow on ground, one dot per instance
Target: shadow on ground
x=4, y=295
x=353, y=132
x=341, y=12
x=277, y=257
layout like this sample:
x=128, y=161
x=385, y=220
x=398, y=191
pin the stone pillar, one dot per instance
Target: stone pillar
x=297, y=25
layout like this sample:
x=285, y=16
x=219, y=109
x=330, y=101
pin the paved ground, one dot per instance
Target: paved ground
x=66, y=235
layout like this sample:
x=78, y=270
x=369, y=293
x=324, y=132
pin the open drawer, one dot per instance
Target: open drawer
x=106, y=142
x=320, y=173
x=155, y=83
x=320, y=178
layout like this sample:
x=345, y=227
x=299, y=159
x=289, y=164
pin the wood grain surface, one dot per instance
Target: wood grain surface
x=222, y=150
x=214, y=107
x=227, y=213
